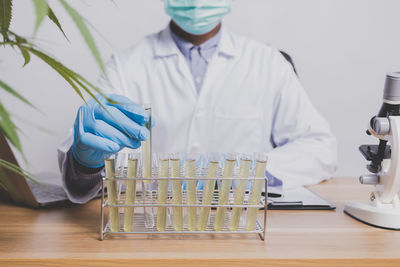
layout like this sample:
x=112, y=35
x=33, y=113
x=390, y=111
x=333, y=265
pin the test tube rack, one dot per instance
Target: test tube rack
x=145, y=207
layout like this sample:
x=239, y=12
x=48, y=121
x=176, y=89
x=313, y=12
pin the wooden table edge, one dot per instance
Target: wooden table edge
x=200, y=262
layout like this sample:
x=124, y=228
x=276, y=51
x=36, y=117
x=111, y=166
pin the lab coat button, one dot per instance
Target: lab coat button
x=200, y=113
x=195, y=148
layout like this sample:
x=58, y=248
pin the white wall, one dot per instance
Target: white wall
x=342, y=50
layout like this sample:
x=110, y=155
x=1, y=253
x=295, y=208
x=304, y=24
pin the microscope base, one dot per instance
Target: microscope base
x=388, y=218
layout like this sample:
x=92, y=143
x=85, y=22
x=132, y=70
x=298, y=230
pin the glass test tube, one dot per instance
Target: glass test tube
x=256, y=192
x=176, y=193
x=130, y=192
x=162, y=193
x=112, y=194
x=146, y=149
x=240, y=192
x=224, y=192
x=207, y=195
x=147, y=172
x=190, y=171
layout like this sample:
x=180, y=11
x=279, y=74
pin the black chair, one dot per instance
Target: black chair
x=289, y=59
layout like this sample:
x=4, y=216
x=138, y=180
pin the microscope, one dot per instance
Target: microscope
x=383, y=210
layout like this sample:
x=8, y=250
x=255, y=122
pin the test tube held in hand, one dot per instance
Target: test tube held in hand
x=112, y=194
x=224, y=192
x=240, y=192
x=190, y=171
x=162, y=193
x=255, y=198
x=208, y=194
x=176, y=193
x=130, y=192
x=146, y=149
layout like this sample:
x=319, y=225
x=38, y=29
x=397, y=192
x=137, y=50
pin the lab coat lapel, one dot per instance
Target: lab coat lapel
x=166, y=47
x=186, y=74
x=218, y=68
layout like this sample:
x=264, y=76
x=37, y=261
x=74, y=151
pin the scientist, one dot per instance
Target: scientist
x=211, y=90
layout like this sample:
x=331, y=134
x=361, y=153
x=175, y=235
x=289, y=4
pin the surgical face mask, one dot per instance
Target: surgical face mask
x=197, y=16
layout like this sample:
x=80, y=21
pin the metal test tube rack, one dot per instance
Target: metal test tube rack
x=148, y=199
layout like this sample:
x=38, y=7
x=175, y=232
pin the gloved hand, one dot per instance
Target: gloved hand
x=97, y=132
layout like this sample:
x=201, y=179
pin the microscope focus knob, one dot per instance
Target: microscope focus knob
x=369, y=179
x=381, y=125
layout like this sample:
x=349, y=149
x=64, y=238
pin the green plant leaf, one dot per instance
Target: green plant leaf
x=5, y=17
x=8, y=89
x=70, y=76
x=74, y=79
x=25, y=54
x=57, y=66
x=19, y=39
x=8, y=128
x=27, y=121
x=12, y=167
x=4, y=183
x=42, y=10
x=54, y=18
x=87, y=36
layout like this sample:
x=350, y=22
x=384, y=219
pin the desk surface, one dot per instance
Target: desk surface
x=71, y=235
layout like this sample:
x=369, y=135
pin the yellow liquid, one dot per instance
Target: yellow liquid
x=224, y=195
x=256, y=195
x=190, y=167
x=112, y=195
x=146, y=150
x=130, y=195
x=177, y=195
x=162, y=196
x=207, y=196
x=239, y=194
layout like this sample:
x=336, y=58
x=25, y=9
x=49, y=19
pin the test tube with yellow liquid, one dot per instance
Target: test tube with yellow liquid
x=224, y=191
x=255, y=198
x=162, y=192
x=147, y=171
x=190, y=171
x=240, y=191
x=208, y=192
x=146, y=149
x=177, y=214
x=112, y=193
x=130, y=191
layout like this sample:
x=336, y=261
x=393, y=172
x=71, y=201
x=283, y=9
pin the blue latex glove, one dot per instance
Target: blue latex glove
x=97, y=132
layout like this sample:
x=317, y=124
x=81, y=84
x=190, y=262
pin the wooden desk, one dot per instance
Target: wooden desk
x=307, y=238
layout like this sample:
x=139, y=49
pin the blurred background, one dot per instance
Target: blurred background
x=342, y=50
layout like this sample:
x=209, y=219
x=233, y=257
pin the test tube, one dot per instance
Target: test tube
x=256, y=192
x=146, y=149
x=208, y=193
x=176, y=192
x=130, y=192
x=162, y=193
x=240, y=191
x=190, y=171
x=112, y=193
x=224, y=191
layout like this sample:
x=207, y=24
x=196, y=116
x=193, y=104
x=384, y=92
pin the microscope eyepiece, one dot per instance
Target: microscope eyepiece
x=391, y=93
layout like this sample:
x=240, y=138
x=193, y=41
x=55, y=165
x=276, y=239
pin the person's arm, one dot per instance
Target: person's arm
x=305, y=148
x=82, y=183
x=79, y=186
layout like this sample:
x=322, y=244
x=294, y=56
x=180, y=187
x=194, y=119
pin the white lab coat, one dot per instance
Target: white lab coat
x=250, y=101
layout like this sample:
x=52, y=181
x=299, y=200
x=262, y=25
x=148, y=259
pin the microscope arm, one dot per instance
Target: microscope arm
x=390, y=179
